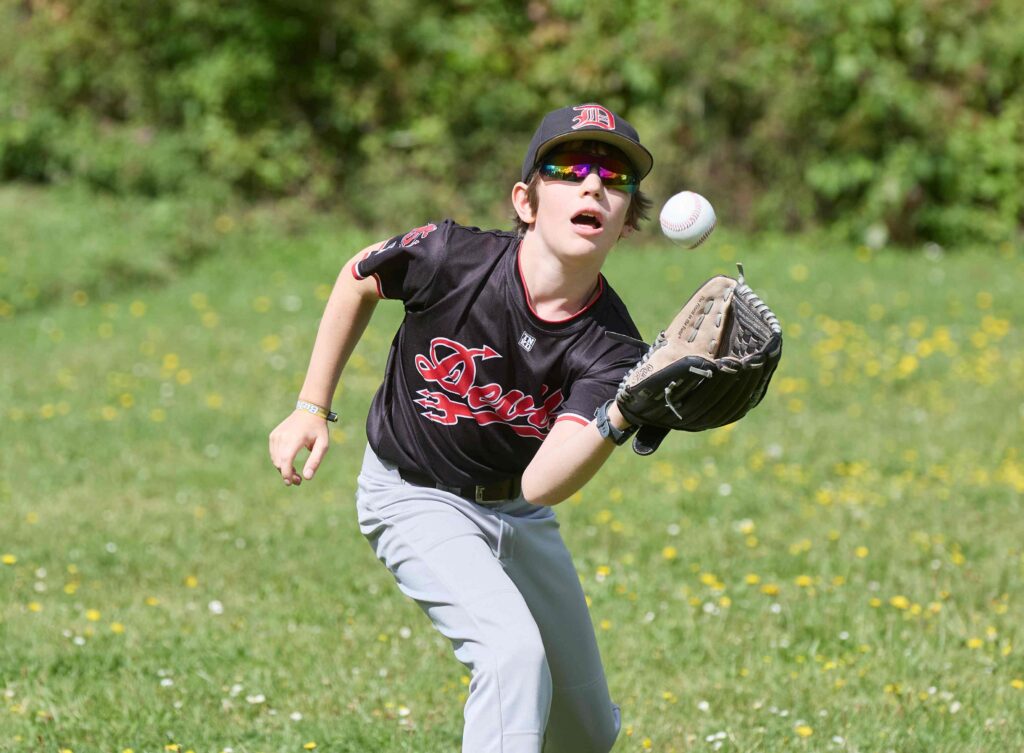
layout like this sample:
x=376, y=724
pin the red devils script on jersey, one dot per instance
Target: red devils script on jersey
x=452, y=367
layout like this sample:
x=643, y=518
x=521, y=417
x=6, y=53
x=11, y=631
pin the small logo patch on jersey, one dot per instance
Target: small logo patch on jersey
x=526, y=342
x=593, y=115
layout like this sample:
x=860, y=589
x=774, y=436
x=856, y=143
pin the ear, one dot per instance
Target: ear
x=521, y=203
x=627, y=230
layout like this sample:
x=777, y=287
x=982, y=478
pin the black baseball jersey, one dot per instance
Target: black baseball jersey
x=475, y=378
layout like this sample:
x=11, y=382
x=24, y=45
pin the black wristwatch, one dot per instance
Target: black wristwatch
x=608, y=430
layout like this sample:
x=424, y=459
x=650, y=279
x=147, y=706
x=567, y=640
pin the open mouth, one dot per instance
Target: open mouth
x=587, y=218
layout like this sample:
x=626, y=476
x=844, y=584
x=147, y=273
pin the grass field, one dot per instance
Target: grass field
x=840, y=571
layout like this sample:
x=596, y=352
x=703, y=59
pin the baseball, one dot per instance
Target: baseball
x=688, y=219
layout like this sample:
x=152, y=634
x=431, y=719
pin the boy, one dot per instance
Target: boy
x=497, y=404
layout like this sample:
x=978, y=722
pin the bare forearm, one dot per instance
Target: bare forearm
x=346, y=315
x=568, y=459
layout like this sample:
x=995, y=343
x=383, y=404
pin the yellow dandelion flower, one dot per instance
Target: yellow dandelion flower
x=35, y=606
x=647, y=744
x=93, y=615
x=603, y=571
x=137, y=309
x=804, y=730
x=669, y=553
x=158, y=415
x=975, y=642
x=152, y=601
x=224, y=224
x=310, y=746
x=861, y=552
x=900, y=602
x=214, y=400
x=875, y=602
x=183, y=377
x=262, y=303
x=606, y=624
x=191, y=581
x=1017, y=683
x=127, y=750
x=752, y=579
x=725, y=602
x=770, y=588
x=804, y=581
x=117, y=628
x=9, y=559
x=171, y=361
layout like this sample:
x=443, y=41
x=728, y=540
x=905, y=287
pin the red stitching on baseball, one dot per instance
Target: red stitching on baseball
x=688, y=222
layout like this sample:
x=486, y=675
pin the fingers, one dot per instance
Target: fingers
x=290, y=437
x=316, y=455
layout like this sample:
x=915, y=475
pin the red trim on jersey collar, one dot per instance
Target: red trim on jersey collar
x=529, y=301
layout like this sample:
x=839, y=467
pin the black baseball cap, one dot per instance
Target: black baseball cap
x=592, y=122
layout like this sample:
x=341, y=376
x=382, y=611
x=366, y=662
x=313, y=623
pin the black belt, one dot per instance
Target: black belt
x=499, y=490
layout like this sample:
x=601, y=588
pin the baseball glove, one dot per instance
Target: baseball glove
x=707, y=369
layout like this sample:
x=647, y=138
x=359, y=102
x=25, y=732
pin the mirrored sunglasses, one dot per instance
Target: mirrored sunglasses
x=576, y=167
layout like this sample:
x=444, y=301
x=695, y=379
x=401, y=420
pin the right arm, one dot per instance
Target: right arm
x=346, y=315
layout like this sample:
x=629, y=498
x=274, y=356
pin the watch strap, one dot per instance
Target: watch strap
x=608, y=430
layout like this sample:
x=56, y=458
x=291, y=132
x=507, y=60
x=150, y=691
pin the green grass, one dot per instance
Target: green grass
x=845, y=562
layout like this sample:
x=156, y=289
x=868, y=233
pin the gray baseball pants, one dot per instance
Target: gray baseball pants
x=497, y=580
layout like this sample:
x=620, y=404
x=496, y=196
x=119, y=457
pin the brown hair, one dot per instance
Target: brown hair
x=637, y=212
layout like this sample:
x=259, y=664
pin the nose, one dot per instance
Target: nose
x=592, y=185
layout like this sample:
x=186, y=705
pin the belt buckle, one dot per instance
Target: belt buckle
x=479, y=493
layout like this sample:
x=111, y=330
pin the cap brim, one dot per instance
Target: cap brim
x=639, y=157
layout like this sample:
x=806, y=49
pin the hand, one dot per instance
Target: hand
x=300, y=429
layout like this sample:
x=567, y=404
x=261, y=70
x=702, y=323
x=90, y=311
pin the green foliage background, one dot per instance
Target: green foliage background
x=892, y=119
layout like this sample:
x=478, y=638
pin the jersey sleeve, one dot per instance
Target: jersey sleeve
x=405, y=265
x=597, y=385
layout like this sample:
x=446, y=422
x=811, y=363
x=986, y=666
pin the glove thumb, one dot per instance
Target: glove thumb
x=648, y=439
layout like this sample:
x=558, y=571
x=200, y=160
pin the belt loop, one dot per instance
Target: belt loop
x=479, y=494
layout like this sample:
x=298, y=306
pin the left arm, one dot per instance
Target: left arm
x=569, y=457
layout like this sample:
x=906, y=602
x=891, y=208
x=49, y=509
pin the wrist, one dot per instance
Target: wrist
x=316, y=409
x=616, y=418
x=617, y=430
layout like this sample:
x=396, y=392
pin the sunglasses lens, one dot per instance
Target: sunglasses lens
x=576, y=167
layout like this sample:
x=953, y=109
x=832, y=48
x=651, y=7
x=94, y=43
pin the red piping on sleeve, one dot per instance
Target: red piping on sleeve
x=375, y=276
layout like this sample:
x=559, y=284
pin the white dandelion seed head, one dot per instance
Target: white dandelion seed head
x=295, y=716
x=255, y=698
x=215, y=607
x=703, y=706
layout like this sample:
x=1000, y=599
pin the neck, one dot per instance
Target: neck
x=557, y=287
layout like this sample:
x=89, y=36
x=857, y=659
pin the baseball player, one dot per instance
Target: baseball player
x=497, y=403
